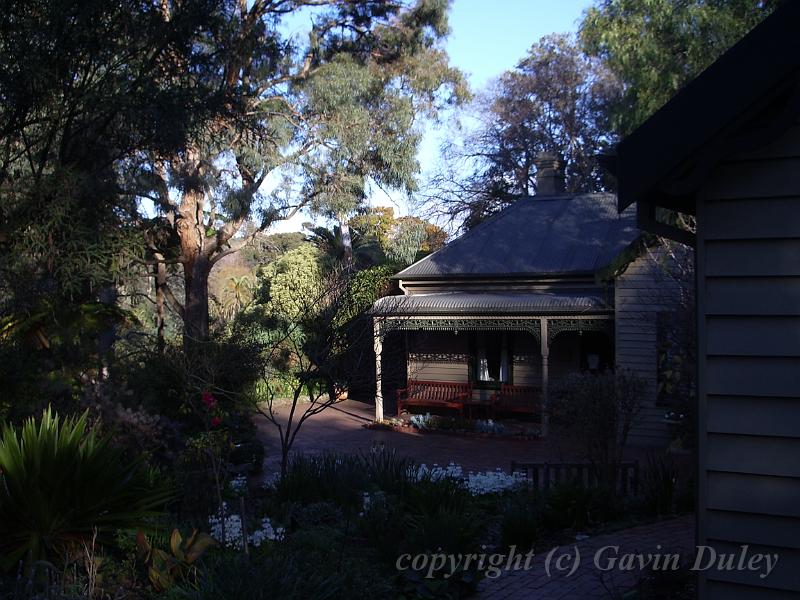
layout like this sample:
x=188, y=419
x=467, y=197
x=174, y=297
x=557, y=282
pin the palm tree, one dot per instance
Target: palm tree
x=237, y=295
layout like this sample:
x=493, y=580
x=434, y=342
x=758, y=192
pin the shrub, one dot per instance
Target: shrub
x=61, y=483
x=571, y=506
x=599, y=411
x=659, y=479
x=521, y=520
x=341, y=479
x=310, y=564
x=387, y=471
x=324, y=478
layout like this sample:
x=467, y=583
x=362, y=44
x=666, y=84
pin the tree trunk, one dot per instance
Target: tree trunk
x=195, y=322
x=347, y=240
x=160, y=272
x=196, y=264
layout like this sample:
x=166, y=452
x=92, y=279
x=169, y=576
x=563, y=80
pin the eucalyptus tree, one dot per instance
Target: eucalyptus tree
x=317, y=120
x=84, y=87
x=656, y=47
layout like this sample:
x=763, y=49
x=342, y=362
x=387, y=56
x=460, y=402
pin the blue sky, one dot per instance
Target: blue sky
x=487, y=38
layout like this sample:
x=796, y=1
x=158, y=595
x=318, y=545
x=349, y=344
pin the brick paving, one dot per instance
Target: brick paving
x=675, y=536
x=341, y=429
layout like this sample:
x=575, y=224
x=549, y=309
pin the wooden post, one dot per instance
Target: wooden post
x=378, y=341
x=545, y=350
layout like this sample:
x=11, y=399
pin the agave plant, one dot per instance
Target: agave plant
x=60, y=483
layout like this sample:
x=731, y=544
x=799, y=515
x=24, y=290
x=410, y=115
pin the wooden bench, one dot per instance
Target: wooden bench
x=434, y=394
x=516, y=399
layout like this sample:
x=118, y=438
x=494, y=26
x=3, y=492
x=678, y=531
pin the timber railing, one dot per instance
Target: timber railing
x=543, y=476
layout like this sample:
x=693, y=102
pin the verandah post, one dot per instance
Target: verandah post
x=545, y=351
x=378, y=346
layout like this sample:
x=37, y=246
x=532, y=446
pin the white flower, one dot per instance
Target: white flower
x=234, y=537
x=489, y=482
x=238, y=485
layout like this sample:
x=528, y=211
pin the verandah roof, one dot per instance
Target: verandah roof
x=472, y=303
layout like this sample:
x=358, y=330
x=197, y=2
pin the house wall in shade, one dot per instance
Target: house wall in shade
x=748, y=258
x=641, y=292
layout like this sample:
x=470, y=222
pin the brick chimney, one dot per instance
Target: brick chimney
x=549, y=174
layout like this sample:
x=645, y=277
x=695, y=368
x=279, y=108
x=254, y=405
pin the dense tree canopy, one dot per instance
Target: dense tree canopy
x=656, y=47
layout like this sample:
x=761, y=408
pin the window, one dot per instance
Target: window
x=491, y=359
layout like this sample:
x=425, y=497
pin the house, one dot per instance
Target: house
x=726, y=149
x=553, y=284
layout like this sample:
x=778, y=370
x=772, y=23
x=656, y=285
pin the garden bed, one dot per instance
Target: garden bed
x=424, y=424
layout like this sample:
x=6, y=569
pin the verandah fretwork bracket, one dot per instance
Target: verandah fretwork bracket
x=531, y=326
x=558, y=326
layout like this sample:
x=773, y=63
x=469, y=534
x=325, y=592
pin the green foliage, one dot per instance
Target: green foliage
x=293, y=283
x=308, y=564
x=656, y=47
x=61, y=484
x=659, y=485
x=49, y=347
x=329, y=477
x=406, y=242
x=362, y=290
x=521, y=521
x=573, y=506
x=165, y=568
x=598, y=411
x=341, y=479
x=400, y=511
x=374, y=222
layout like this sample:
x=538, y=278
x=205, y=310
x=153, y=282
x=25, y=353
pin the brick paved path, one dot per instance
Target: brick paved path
x=340, y=429
x=588, y=583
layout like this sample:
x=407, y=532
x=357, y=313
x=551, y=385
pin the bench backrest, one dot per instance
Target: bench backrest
x=508, y=390
x=436, y=390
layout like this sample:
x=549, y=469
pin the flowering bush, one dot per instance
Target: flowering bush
x=238, y=485
x=478, y=484
x=494, y=482
x=489, y=426
x=232, y=534
x=421, y=421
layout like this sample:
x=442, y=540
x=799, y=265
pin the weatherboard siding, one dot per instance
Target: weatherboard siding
x=749, y=338
x=438, y=356
x=640, y=293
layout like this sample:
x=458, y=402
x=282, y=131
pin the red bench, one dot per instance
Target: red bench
x=517, y=399
x=434, y=394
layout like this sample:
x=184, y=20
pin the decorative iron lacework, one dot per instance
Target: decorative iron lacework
x=558, y=326
x=438, y=357
x=531, y=326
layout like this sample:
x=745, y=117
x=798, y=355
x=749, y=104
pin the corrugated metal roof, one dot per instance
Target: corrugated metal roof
x=467, y=303
x=536, y=236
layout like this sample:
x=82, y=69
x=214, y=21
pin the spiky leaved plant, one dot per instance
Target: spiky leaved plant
x=59, y=483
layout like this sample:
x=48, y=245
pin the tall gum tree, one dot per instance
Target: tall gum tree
x=320, y=119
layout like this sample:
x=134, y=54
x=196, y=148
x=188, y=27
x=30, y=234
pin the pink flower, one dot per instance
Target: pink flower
x=216, y=421
x=209, y=400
